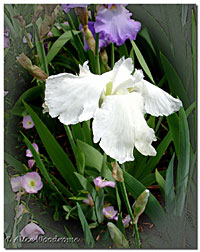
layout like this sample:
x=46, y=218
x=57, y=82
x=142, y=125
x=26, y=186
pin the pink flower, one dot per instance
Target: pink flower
x=16, y=183
x=110, y=213
x=28, y=152
x=32, y=231
x=6, y=38
x=50, y=34
x=89, y=201
x=31, y=163
x=6, y=92
x=19, y=194
x=31, y=182
x=99, y=183
x=27, y=122
x=20, y=210
x=29, y=36
x=126, y=221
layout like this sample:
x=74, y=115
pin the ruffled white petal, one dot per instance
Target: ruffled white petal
x=74, y=98
x=119, y=125
x=156, y=101
x=120, y=76
x=84, y=70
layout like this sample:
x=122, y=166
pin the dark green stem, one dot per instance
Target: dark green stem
x=28, y=40
x=71, y=23
x=112, y=55
x=130, y=212
x=98, y=70
x=71, y=139
x=41, y=51
x=27, y=201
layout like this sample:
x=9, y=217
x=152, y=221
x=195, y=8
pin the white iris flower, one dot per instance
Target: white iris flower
x=117, y=100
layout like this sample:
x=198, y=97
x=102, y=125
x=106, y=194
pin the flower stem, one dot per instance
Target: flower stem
x=137, y=235
x=71, y=139
x=77, y=39
x=112, y=55
x=124, y=192
x=28, y=40
x=40, y=50
x=71, y=23
x=98, y=70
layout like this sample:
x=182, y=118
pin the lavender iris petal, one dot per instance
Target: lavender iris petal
x=116, y=23
x=104, y=39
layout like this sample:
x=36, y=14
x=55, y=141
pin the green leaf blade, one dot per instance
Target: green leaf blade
x=58, y=44
x=56, y=153
x=89, y=240
x=153, y=208
x=142, y=61
x=40, y=164
x=184, y=162
x=161, y=182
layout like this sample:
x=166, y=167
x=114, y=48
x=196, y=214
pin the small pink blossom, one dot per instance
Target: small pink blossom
x=20, y=210
x=16, y=183
x=31, y=182
x=89, y=201
x=27, y=122
x=32, y=231
x=19, y=194
x=31, y=163
x=6, y=92
x=29, y=36
x=99, y=183
x=110, y=213
x=50, y=34
x=29, y=153
x=126, y=221
x=66, y=23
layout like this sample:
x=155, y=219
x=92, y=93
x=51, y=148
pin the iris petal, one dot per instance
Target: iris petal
x=121, y=74
x=74, y=98
x=157, y=102
x=116, y=23
x=119, y=125
x=113, y=127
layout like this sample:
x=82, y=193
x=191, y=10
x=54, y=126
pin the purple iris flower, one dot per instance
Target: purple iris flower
x=104, y=39
x=68, y=7
x=46, y=49
x=116, y=23
x=6, y=38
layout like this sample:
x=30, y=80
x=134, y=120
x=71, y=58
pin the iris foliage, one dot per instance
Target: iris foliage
x=68, y=160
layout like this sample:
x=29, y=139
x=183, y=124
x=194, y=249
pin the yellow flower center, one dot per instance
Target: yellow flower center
x=109, y=87
x=32, y=183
